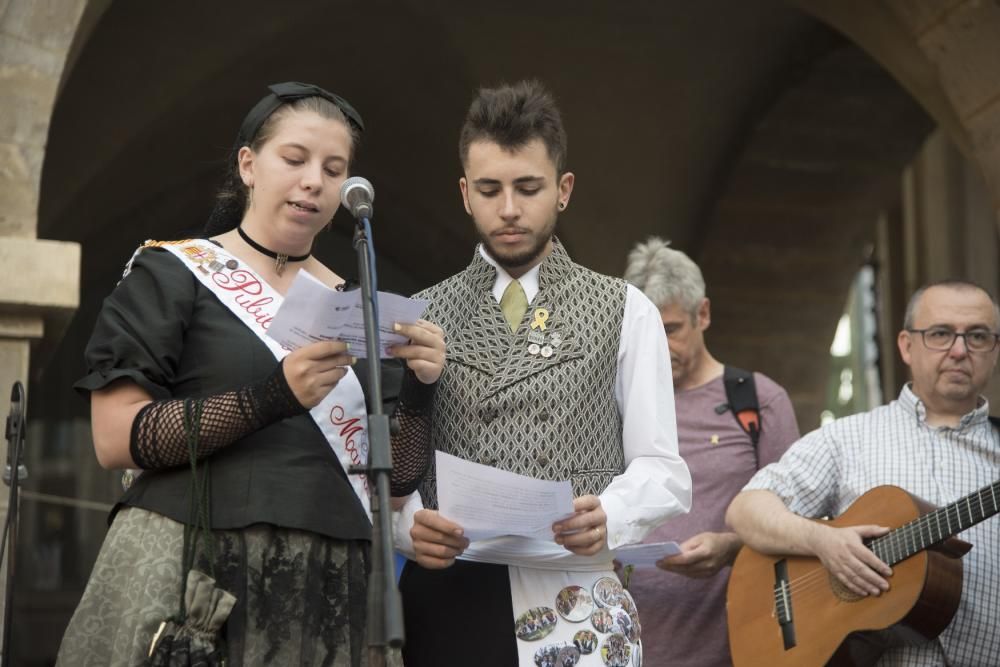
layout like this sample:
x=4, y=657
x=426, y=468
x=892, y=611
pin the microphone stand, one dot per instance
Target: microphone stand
x=13, y=473
x=385, y=608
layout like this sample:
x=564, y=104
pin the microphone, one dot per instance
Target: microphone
x=357, y=195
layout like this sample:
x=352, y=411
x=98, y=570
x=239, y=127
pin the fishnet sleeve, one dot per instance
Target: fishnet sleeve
x=411, y=443
x=158, y=439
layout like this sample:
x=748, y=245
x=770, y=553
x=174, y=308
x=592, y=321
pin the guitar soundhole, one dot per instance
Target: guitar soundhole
x=842, y=592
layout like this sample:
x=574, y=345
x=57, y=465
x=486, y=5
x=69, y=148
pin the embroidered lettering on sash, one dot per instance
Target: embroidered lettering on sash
x=342, y=415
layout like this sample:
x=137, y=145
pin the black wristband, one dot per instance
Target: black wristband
x=414, y=395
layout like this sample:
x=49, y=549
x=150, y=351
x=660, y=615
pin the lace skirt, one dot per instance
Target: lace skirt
x=300, y=596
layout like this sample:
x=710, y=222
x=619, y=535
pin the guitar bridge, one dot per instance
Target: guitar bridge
x=783, y=603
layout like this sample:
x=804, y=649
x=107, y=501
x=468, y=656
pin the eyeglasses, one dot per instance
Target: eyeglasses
x=941, y=339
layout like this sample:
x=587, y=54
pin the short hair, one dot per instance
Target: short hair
x=665, y=275
x=911, y=307
x=512, y=116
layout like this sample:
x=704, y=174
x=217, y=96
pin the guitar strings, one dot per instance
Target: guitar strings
x=818, y=580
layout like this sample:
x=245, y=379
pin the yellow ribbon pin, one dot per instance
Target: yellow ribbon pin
x=541, y=315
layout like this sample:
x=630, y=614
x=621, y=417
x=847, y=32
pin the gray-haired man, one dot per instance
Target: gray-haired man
x=684, y=609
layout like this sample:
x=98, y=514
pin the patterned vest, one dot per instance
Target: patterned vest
x=539, y=402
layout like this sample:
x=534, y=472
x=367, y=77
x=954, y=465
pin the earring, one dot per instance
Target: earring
x=250, y=205
x=562, y=206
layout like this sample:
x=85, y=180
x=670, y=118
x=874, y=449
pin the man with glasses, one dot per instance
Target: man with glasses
x=684, y=608
x=935, y=441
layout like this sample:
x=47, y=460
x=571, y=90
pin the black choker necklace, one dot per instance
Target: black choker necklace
x=279, y=258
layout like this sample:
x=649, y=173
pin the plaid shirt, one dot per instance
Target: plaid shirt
x=827, y=470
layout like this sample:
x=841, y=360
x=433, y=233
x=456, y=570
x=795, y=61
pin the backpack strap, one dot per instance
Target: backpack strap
x=741, y=394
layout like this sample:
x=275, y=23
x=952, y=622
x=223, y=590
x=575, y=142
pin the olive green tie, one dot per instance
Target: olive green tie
x=514, y=304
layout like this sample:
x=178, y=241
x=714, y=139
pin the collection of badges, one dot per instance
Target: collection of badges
x=538, y=342
x=201, y=255
x=611, y=611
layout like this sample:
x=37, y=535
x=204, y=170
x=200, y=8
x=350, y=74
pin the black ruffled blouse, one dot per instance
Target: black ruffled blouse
x=165, y=331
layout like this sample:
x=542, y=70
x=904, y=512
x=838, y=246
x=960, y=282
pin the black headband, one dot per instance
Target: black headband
x=290, y=91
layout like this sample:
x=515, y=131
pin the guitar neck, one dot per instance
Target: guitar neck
x=937, y=526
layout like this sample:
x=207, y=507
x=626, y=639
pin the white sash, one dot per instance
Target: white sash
x=342, y=415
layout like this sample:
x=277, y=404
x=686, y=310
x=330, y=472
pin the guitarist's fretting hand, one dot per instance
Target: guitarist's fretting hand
x=703, y=555
x=843, y=553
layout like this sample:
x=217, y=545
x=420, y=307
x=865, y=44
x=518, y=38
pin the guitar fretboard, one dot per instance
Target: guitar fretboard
x=937, y=526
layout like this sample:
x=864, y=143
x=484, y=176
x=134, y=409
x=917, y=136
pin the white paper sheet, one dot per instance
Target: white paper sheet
x=646, y=555
x=313, y=312
x=488, y=502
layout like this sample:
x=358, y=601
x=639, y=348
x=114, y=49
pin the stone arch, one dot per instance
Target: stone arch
x=945, y=53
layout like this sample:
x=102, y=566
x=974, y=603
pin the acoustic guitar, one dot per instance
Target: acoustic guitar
x=789, y=611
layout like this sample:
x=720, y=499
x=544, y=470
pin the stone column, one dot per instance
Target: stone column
x=39, y=280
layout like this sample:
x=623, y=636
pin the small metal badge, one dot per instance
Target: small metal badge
x=232, y=264
x=536, y=337
x=215, y=265
x=546, y=351
x=555, y=339
x=540, y=317
x=533, y=348
x=199, y=256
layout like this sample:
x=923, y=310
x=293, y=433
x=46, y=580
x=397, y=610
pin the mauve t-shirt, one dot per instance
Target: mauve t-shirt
x=684, y=619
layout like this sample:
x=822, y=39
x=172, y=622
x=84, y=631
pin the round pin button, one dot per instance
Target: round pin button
x=602, y=620
x=535, y=623
x=608, y=592
x=547, y=656
x=232, y=264
x=616, y=651
x=568, y=655
x=533, y=348
x=574, y=603
x=546, y=351
x=586, y=641
x=624, y=623
x=628, y=604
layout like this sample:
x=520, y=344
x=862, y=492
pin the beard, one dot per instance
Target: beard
x=512, y=259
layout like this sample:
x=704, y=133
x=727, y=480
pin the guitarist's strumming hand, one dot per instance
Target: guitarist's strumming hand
x=843, y=553
x=703, y=555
